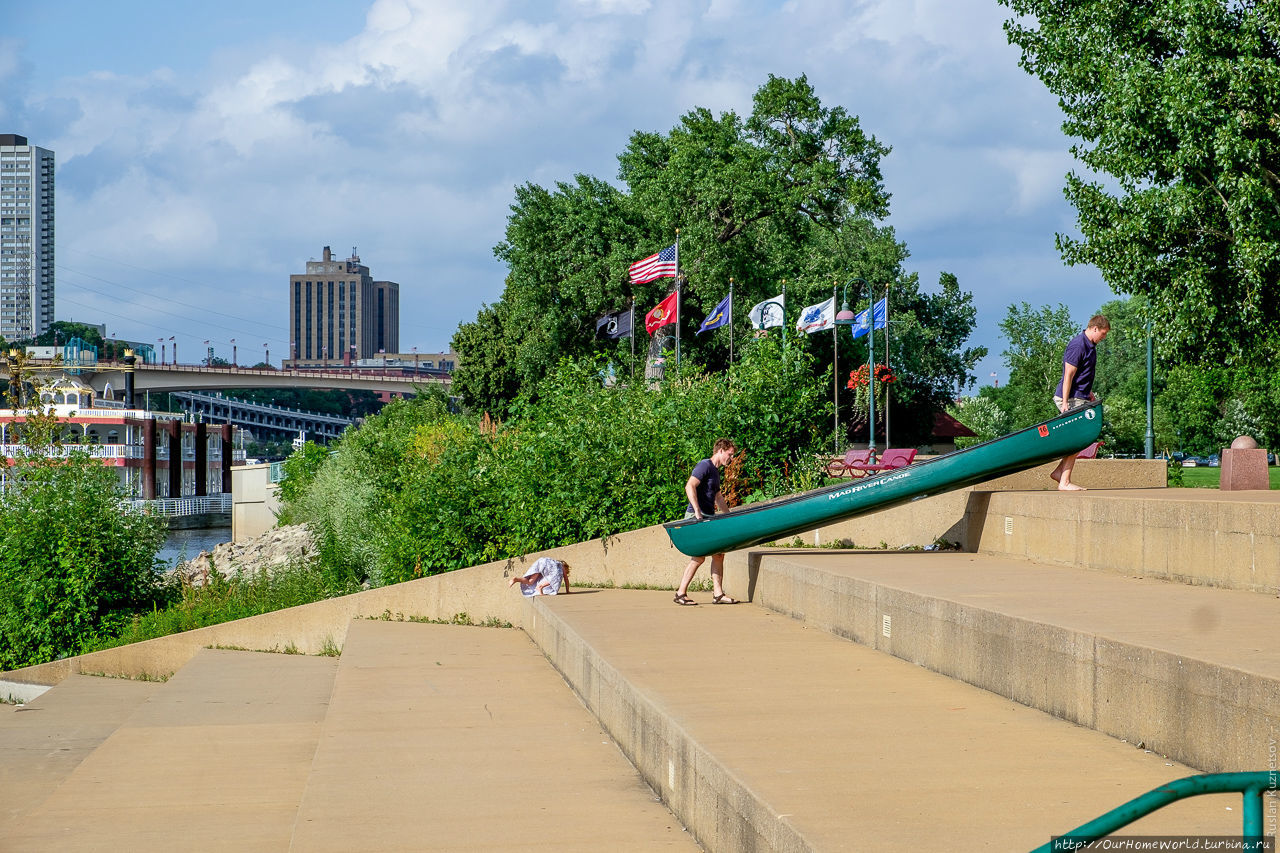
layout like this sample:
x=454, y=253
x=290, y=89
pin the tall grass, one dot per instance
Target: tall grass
x=225, y=598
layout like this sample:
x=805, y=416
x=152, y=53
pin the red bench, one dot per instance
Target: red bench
x=891, y=459
x=1090, y=452
x=853, y=461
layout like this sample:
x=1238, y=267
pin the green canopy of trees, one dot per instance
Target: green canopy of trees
x=1177, y=108
x=790, y=193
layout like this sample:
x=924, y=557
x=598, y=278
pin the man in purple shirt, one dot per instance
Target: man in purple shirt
x=1076, y=388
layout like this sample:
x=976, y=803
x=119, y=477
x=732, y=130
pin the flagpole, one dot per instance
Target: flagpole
x=888, y=385
x=677, y=300
x=871, y=367
x=784, y=318
x=731, y=321
x=835, y=370
x=633, y=337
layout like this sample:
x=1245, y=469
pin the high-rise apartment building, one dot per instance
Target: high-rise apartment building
x=26, y=238
x=338, y=314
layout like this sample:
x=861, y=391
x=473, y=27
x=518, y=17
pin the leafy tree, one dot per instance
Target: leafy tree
x=789, y=193
x=983, y=415
x=74, y=561
x=62, y=331
x=417, y=490
x=751, y=198
x=927, y=353
x=1036, y=340
x=1177, y=102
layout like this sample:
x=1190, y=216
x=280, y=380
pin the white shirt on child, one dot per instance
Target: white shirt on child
x=552, y=572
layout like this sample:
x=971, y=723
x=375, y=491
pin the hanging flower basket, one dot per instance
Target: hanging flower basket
x=861, y=385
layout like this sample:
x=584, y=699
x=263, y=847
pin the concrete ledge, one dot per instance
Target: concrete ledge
x=639, y=557
x=721, y=811
x=1193, y=536
x=1189, y=671
x=958, y=516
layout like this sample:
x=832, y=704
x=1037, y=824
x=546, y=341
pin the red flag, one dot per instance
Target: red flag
x=664, y=313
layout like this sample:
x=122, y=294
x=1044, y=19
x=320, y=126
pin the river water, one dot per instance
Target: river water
x=187, y=544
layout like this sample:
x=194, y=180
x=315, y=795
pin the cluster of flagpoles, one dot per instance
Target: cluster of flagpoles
x=763, y=315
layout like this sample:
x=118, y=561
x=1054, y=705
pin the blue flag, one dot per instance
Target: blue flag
x=878, y=312
x=719, y=315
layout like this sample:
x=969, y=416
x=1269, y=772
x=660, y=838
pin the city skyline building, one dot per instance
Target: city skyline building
x=338, y=314
x=26, y=238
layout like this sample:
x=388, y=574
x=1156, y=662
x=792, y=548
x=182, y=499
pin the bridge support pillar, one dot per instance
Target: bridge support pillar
x=149, y=459
x=225, y=430
x=202, y=459
x=174, y=430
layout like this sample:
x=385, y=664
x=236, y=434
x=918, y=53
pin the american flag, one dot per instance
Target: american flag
x=655, y=266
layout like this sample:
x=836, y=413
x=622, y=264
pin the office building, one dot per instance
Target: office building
x=26, y=238
x=339, y=315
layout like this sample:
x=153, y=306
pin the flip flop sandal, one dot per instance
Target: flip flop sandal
x=684, y=599
x=724, y=598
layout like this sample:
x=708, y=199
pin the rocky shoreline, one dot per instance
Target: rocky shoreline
x=277, y=547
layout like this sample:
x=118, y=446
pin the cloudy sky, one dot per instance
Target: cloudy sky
x=205, y=152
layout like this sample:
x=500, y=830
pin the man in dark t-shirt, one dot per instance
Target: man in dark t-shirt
x=1075, y=389
x=703, y=491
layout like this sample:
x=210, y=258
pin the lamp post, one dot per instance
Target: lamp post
x=1151, y=435
x=846, y=318
x=266, y=355
x=415, y=361
x=233, y=353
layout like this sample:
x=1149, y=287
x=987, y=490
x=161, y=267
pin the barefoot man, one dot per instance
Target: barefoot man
x=1076, y=387
x=703, y=491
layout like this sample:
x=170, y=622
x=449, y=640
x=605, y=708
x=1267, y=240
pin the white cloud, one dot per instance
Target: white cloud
x=407, y=136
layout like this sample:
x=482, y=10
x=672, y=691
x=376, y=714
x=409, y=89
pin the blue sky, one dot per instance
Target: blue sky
x=206, y=151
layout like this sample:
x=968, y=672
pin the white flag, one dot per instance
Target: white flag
x=815, y=318
x=767, y=314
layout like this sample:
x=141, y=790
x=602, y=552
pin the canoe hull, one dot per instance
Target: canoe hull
x=752, y=525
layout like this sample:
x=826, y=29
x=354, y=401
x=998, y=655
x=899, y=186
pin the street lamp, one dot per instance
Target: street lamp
x=1151, y=433
x=847, y=318
x=266, y=355
x=233, y=352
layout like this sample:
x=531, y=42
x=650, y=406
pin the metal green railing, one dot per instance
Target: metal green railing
x=1251, y=785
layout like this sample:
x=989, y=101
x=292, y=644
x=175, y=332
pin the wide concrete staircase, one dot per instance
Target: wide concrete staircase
x=863, y=700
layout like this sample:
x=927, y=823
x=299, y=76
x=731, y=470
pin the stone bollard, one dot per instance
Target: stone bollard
x=1244, y=466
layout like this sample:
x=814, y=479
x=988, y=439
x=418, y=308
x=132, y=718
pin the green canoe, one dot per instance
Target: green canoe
x=751, y=525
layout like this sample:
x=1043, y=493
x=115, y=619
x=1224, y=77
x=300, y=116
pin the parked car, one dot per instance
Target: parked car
x=1213, y=460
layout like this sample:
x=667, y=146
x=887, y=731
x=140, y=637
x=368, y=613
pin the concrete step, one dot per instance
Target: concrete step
x=763, y=733
x=216, y=760
x=1191, y=671
x=43, y=741
x=443, y=737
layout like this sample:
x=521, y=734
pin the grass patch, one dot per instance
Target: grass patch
x=696, y=585
x=845, y=544
x=142, y=676
x=224, y=599
x=1211, y=478
x=463, y=618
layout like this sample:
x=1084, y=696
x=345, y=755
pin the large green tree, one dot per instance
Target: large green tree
x=1176, y=104
x=791, y=193
x=1036, y=340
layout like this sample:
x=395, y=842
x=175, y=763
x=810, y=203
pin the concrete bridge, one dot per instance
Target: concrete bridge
x=387, y=382
x=257, y=416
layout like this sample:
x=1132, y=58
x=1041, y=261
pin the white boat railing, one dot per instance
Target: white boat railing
x=184, y=506
x=97, y=451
